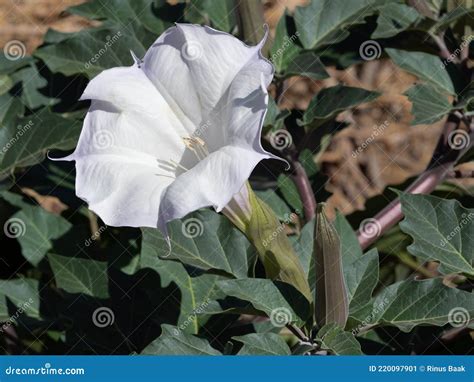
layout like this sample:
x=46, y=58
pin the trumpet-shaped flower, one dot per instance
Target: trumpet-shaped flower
x=176, y=131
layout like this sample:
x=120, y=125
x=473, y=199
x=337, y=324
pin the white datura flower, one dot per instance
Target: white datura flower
x=176, y=131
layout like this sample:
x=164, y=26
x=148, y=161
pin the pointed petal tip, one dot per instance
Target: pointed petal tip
x=135, y=58
x=66, y=158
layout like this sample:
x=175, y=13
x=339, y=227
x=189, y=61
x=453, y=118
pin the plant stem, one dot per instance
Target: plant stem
x=442, y=162
x=251, y=22
x=304, y=189
x=297, y=332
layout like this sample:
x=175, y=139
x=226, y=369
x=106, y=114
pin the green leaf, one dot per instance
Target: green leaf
x=77, y=275
x=175, y=342
x=308, y=65
x=361, y=271
x=6, y=83
x=290, y=192
x=307, y=160
x=335, y=340
x=325, y=22
x=262, y=344
x=123, y=12
x=331, y=101
x=452, y=17
x=274, y=117
x=197, y=290
x=34, y=228
x=25, y=141
x=91, y=51
x=204, y=240
x=429, y=105
x=11, y=108
x=442, y=230
x=393, y=19
x=410, y=303
x=278, y=300
x=221, y=14
x=31, y=81
x=284, y=49
x=281, y=209
x=426, y=67
x=23, y=294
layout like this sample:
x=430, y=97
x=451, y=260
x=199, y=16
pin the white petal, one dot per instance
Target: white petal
x=194, y=67
x=212, y=182
x=128, y=134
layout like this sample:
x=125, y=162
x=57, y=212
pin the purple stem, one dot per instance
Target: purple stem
x=444, y=158
x=304, y=189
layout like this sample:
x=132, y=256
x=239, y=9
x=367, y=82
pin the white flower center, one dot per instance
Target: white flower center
x=195, y=145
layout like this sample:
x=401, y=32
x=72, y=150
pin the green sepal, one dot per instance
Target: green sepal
x=277, y=255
